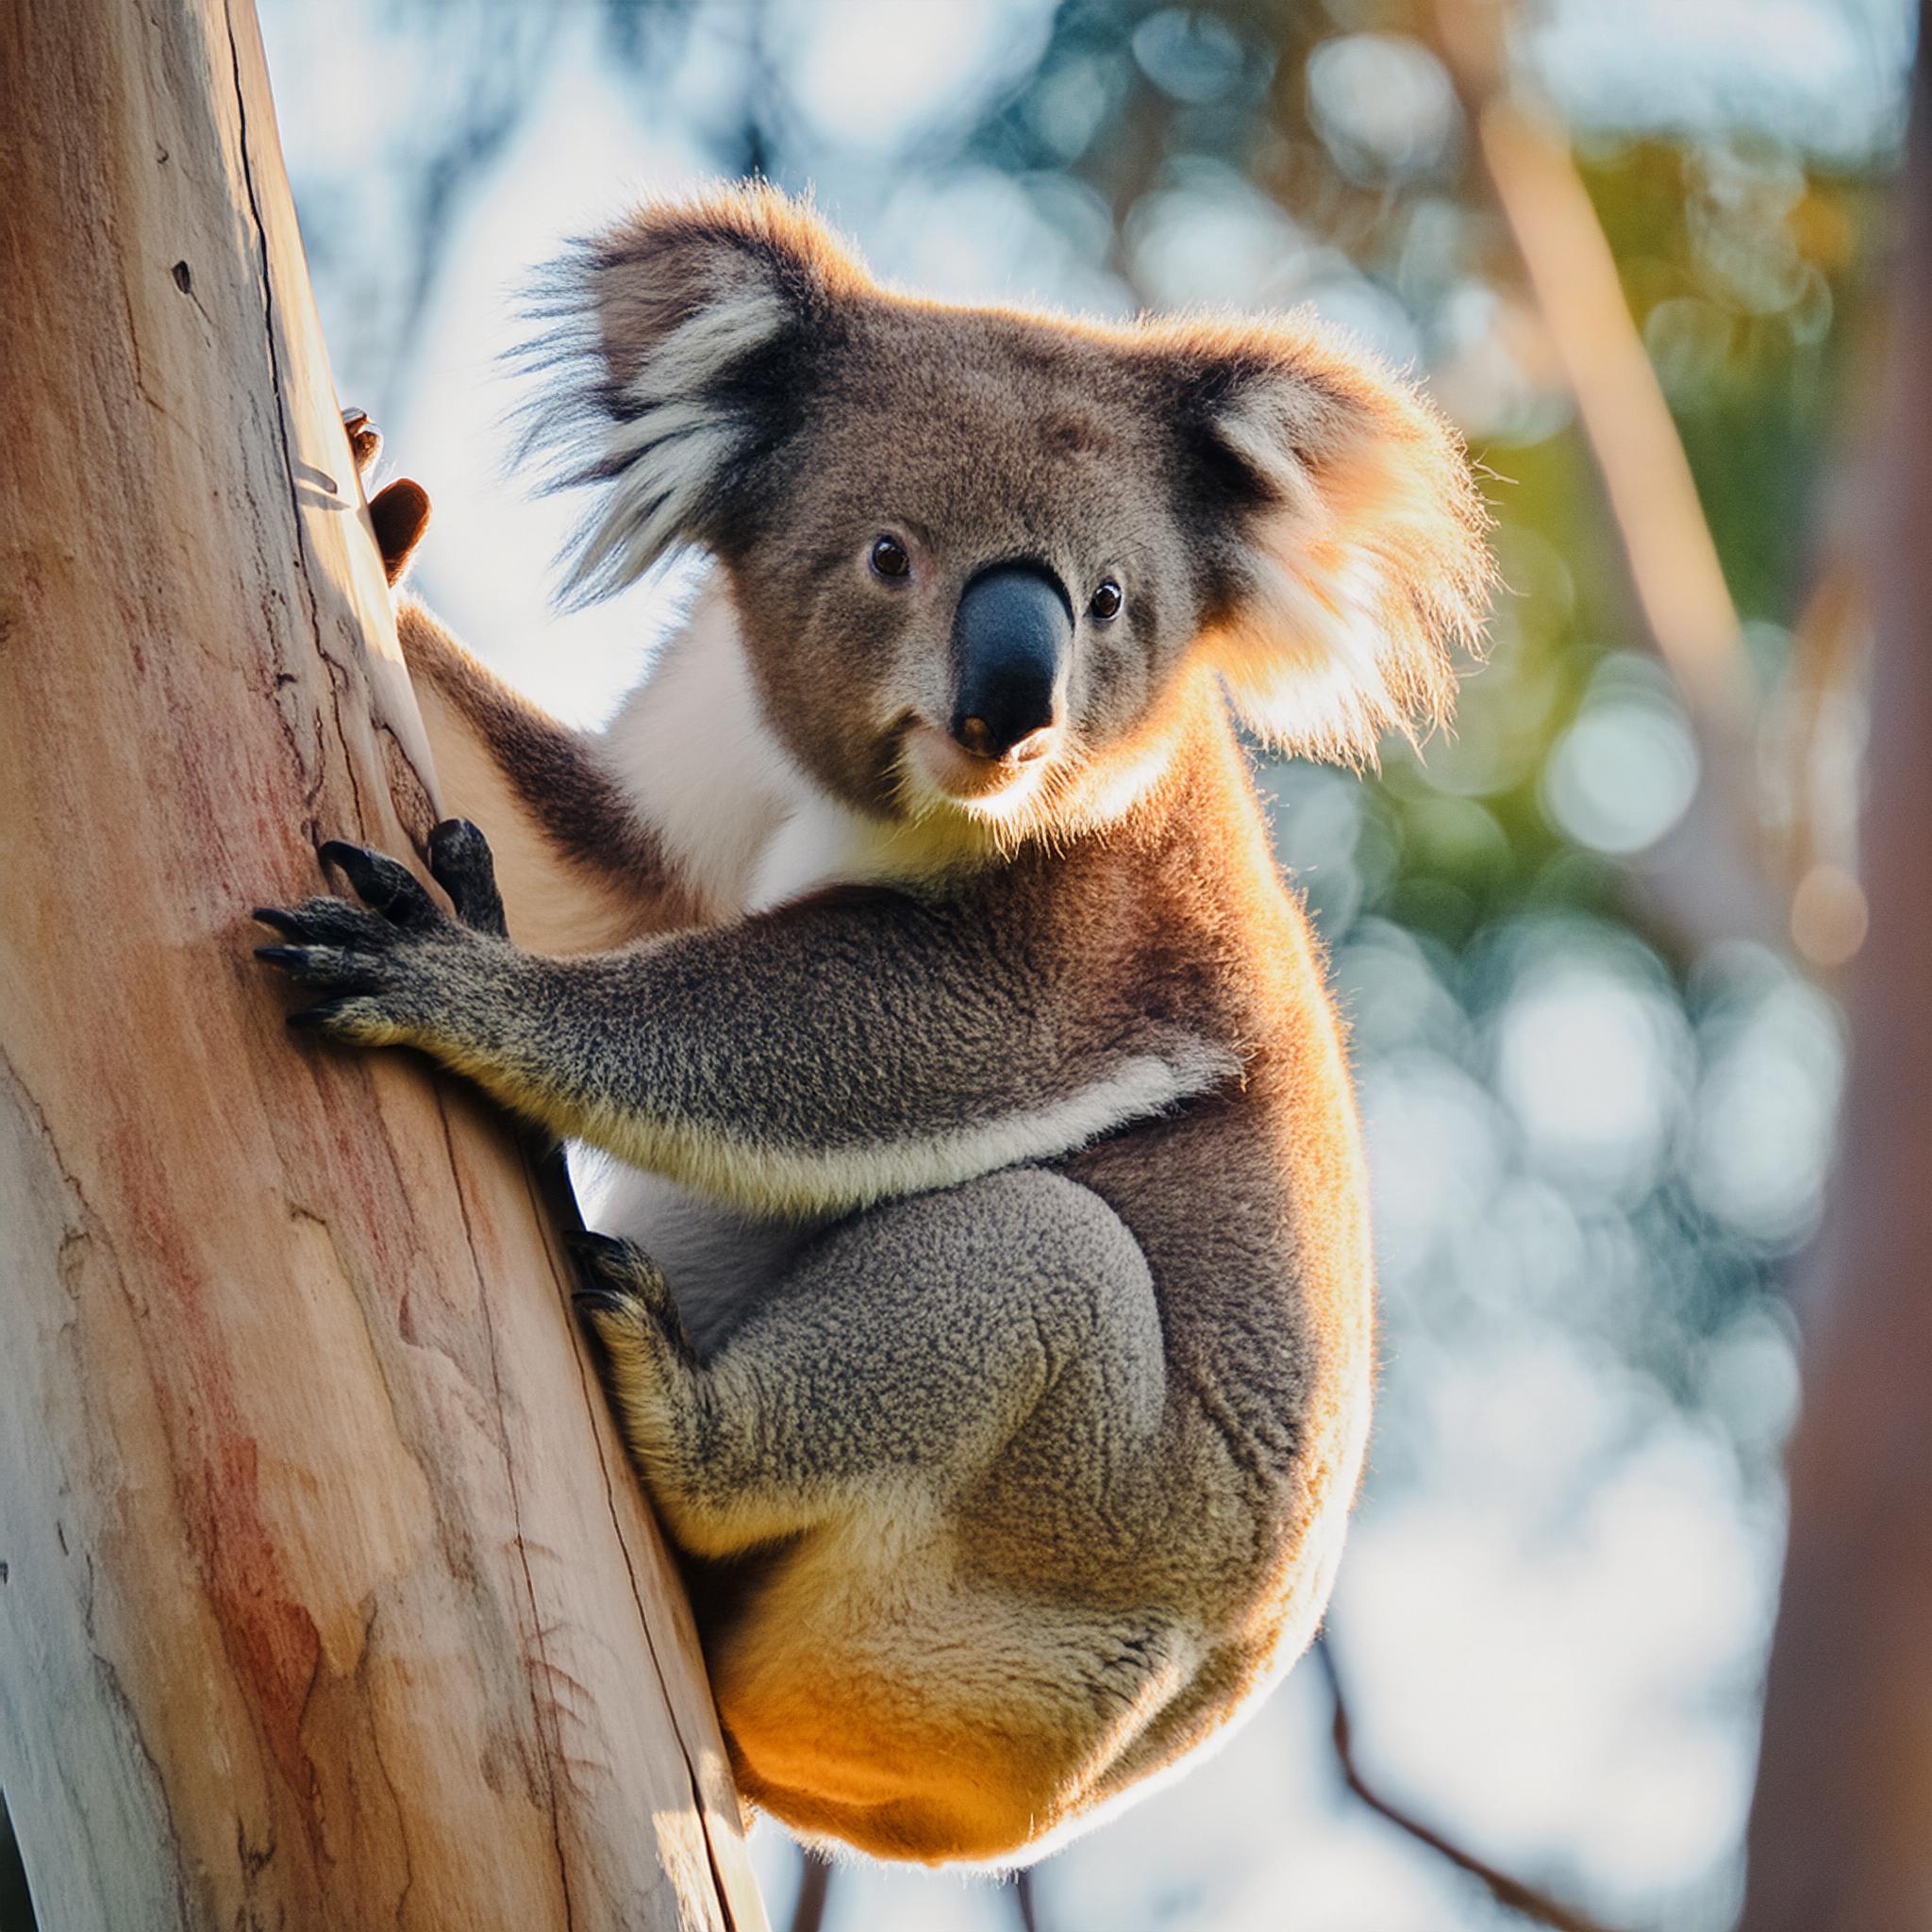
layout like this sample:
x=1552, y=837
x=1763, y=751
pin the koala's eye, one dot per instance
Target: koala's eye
x=888, y=558
x=1107, y=601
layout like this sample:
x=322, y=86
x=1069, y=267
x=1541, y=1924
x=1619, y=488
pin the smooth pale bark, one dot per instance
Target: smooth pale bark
x=327, y=1596
x=1842, y=1826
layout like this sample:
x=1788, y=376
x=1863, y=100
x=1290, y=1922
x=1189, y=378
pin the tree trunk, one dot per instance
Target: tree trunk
x=1842, y=1828
x=327, y=1596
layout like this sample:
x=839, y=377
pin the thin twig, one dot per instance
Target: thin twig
x=1021, y=1886
x=1573, y=277
x=1504, y=1889
x=814, y=1882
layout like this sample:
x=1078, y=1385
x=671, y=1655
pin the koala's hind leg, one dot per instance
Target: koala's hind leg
x=902, y=1353
x=948, y=1421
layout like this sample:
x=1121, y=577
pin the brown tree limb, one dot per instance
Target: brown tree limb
x=814, y=1889
x=1841, y=1831
x=1508, y=1892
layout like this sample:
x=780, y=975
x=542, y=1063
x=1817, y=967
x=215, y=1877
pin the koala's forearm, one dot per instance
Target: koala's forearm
x=812, y=1063
x=580, y=871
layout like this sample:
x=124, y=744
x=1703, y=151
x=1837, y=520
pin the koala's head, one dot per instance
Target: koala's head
x=977, y=556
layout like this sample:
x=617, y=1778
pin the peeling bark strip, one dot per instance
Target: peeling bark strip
x=329, y=1601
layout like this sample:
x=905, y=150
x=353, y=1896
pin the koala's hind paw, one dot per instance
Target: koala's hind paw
x=617, y=1268
x=624, y=1292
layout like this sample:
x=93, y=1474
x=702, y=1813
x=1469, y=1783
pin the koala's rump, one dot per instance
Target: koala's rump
x=969, y=1674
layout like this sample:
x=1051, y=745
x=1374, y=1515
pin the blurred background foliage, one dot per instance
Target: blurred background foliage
x=1586, y=942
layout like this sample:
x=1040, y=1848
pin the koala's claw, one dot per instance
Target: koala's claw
x=327, y=1017
x=395, y=970
x=365, y=439
x=341, y=954
x=331, y=960
x=392, y=889
x=612, y=1266
x=623, y=1290
x=400, y=511
x=320, y=922
x=462, y=864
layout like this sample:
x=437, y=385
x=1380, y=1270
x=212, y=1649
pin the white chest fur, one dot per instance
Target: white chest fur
x=702, y=768
x=709, y=777
x=707, y=774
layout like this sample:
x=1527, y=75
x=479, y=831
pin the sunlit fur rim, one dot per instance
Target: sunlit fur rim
x=1368, y=566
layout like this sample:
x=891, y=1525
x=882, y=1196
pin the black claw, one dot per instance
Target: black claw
x=597, y=1254
x=607, y=1300
x=283, y=955
x=462, y=864
x=316, y=1016
x=348, y=857
x=275, y=917
x=390, y=888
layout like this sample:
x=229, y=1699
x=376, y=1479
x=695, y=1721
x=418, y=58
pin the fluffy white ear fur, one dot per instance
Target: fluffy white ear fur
x=657, y=319
x=1364, y=560
x=674, y=441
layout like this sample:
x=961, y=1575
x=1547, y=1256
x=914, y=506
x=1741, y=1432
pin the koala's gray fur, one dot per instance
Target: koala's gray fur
x=995, y=1336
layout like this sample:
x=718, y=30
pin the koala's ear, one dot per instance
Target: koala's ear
x=695, y=330
x=1346, y=536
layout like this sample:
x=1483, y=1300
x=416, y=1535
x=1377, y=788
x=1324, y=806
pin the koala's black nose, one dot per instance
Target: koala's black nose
x=1010, y=638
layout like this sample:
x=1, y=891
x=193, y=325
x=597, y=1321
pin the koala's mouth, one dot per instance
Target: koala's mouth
x=937, y=768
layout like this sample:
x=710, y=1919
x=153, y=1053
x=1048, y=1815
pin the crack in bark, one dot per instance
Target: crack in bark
x=268, y=320
x=401, y=1914
x=147, y=396
x=37, y=1119
x=275, y=375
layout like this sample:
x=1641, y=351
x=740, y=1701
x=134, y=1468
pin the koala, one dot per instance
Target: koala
x=986, y=1293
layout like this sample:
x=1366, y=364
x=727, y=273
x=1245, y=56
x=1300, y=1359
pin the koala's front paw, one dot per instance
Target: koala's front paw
x=401, y=512
x=397, y=971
